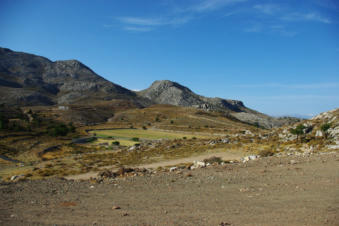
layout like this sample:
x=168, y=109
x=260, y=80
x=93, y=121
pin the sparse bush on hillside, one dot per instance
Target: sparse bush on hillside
x=184, y=138
x=213, y=159
x=324, y=128
x=144, y=127
x=171, y=121
x=60, y=129
x=299, y=130
x=136, y=139
x=266, y=153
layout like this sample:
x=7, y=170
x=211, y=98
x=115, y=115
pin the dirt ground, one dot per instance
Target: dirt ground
x=270, y=191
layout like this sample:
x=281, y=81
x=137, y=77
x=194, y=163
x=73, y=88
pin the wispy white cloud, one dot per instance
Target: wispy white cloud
x=211, y=5
x=290, y=86
x=137, y=29
x=281, y=29
x=266, y=28
x=269, y=9
x=255, y=28
x=142, y=21
x=312, y=16
x=148, y=24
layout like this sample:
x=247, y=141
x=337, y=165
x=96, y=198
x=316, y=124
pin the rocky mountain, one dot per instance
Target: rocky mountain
x=30, y=80
x=168, y=92
x=27, y=80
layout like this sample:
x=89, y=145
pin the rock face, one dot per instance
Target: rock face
x=168, y=92
x=27, y=79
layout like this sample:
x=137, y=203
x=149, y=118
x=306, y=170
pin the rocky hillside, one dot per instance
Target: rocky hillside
x=168, y=92
x=28, y=80
x=321, y=131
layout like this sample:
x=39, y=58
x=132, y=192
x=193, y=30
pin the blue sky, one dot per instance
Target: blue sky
x=278, y=57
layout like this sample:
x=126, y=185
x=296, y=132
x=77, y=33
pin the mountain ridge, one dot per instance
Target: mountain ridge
x=45, y=82
x=31, y=80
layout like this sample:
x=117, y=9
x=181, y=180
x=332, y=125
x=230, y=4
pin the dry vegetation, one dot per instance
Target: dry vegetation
x=159, y=133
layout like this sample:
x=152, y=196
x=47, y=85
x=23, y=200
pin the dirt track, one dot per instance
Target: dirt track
x=269, y=191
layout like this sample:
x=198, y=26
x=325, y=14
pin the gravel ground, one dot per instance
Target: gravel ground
x=270, y=191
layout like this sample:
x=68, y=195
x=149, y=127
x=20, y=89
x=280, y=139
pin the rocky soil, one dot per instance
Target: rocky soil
x=286, y=190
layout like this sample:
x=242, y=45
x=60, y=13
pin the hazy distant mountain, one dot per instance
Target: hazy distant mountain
x=27, y=79
x=168, y=92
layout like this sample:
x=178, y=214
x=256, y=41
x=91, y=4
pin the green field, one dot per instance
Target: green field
x=123, y=135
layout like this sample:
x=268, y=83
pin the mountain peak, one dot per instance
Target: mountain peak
x=165, y=84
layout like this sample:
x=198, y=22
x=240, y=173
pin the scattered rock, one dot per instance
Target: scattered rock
x=292, y=162
x=250, y=157
x=319, y=133
x=173, y=169
x=116, y=208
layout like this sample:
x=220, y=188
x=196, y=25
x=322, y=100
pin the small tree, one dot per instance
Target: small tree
x=299, y=130
x=324, y=128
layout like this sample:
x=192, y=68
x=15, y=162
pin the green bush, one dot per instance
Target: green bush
x=299, y=130
x=60, y=129
x=324, y=128
x=136, y=139
x=116, y=143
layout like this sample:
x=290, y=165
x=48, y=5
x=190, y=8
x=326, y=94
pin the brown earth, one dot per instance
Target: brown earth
x=270, y=191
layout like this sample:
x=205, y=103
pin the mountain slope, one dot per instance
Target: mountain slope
x=168, y=92
x=27, y=79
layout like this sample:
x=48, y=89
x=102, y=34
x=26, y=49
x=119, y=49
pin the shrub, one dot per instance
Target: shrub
x=184, y=138
x=172, y=122
x=116, y=143
x=324, y=128
x=144, y=127
x=58, y=130
x=71, y=127
x=266, y=153
x=213, y=159
x=299, y=130
x=136, y=139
